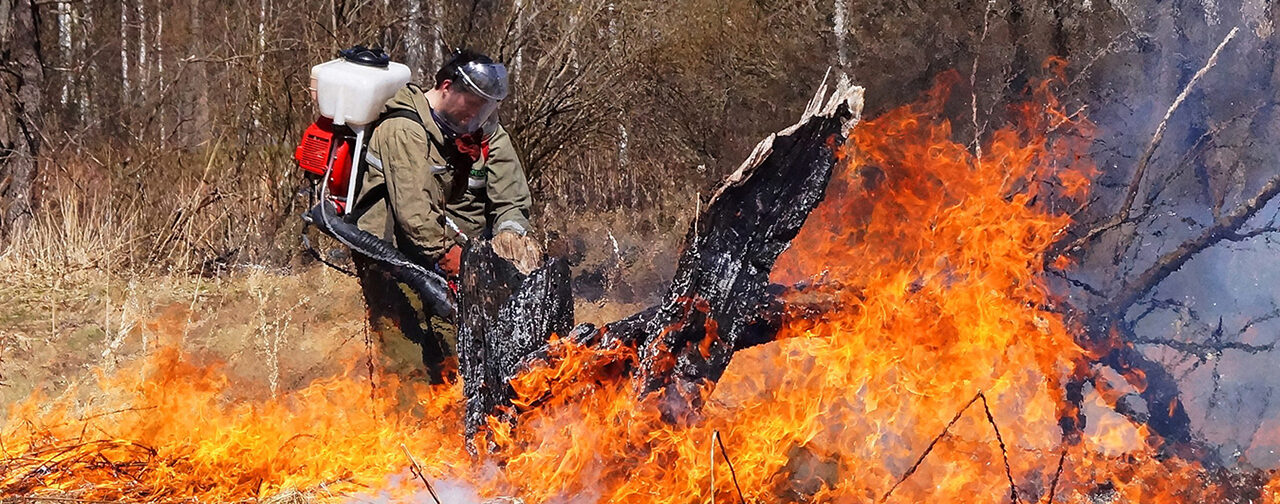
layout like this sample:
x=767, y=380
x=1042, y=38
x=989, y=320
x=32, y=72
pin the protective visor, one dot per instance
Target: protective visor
x=487, y=81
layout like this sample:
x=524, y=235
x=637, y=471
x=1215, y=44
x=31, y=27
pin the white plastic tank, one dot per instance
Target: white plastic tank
x=353, y=93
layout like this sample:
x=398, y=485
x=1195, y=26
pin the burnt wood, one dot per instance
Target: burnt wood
x=505, y=320
x=719, y=300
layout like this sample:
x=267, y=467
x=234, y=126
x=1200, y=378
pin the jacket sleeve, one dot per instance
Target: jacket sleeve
x=508, y=190
x=414, y=196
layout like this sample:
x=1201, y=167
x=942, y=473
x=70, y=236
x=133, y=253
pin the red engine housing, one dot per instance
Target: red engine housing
x=322, y=142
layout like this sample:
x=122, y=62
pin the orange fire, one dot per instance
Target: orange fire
x=932, y=258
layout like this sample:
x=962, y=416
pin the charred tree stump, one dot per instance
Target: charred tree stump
x=719, y=300
x=504, y=319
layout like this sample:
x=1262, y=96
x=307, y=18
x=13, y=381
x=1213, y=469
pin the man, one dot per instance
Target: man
x=439, y=171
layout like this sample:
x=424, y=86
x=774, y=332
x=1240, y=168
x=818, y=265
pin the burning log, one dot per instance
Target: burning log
x=719, y=302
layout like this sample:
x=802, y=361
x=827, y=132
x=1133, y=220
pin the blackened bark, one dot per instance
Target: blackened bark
x=719, y=299
x=505, y=320
x=22, y=77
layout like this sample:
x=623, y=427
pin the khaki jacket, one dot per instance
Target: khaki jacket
x=432, y=192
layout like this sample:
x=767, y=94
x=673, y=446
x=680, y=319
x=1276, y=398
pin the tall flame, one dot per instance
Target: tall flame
x=931, y=259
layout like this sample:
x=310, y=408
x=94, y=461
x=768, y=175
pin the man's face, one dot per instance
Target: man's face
x=466, y=111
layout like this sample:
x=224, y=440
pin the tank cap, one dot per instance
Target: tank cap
x=362, y=55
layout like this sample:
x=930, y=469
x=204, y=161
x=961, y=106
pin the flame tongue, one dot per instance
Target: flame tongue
x=933, y=256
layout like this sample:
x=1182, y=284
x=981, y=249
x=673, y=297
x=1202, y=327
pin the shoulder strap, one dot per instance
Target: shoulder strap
x=399, y=112
x=379, y=193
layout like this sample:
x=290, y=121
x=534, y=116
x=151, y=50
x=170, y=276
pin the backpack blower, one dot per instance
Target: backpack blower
x=350, y=92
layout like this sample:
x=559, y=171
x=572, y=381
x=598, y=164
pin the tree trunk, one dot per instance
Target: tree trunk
x=198, y=114
x=125, y=88
x=719, y=301
x=64, y=50
x=437, y=42
x=840, y=29
x=504, y=320
x=413, y=49
x=23, y=79
x=143, y=74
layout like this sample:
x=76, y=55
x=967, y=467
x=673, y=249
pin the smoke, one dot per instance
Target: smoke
x=446, y=490
x=1220, y=309
x=406, y=487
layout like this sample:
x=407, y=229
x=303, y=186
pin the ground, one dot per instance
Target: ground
x=276, y=328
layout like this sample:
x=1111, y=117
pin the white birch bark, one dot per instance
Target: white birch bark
x=437, y=28
x=518, y=62
x=143, y=73
x=86, y=98
x=64, y=46
x=622, y=145
x=413, y=39
x=124, y=50
x=839, y=28
x=262, y=60
x=159, y=56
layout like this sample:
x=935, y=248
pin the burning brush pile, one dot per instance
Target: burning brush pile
x=917, y=353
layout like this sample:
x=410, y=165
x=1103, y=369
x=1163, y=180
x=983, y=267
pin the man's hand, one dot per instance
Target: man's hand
x=451, y=262
x=522, y=251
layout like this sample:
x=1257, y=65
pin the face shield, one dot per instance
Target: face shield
x=482, y=88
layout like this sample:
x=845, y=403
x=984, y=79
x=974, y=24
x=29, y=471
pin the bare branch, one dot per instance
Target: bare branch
x=973, y=81
x=1122, y=215
x=1225, y=228
x=1136, y=183
x=1205, y=350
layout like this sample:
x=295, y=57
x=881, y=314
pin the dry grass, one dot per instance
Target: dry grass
x=73, y=236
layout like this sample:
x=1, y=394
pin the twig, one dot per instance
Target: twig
x=1145, y=160
x=928, y=449
x=1013, y=489
x=973, y=81
x=1205, y=350
x=733, y=474
x=417, y=471
x=1004, y=452
x=1053, y=486
x=116, y=412
x=1122, y=215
